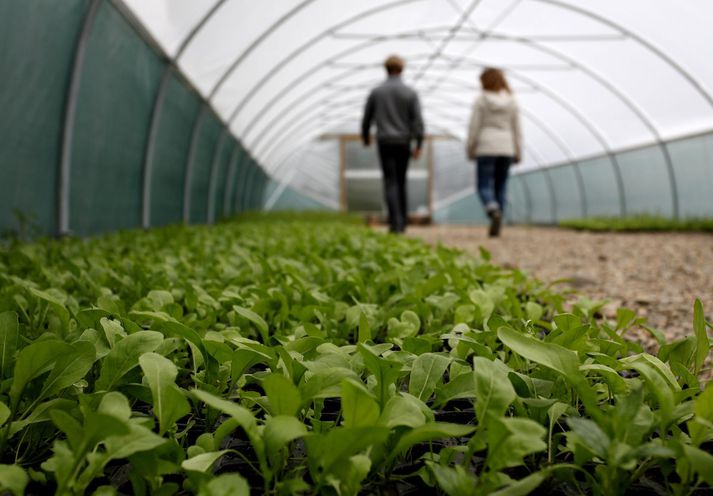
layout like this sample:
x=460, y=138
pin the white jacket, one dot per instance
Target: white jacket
x=494, y=127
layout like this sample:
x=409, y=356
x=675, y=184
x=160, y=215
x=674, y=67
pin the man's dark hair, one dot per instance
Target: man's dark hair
x=394, y=65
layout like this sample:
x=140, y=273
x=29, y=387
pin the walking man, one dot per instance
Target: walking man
x=397, y=112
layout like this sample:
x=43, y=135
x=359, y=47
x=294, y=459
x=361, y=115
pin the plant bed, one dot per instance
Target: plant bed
x=297, y=355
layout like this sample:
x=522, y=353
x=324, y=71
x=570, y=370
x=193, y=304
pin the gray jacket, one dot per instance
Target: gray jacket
x=397, y=112
x=494, y=127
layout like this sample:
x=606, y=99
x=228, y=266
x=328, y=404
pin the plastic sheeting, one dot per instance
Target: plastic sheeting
x=593, y=77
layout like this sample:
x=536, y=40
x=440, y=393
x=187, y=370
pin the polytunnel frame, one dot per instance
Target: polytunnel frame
x=628, y=102
x=72, y=99
x=535, y=156
x=80, y=48
x=569, y=107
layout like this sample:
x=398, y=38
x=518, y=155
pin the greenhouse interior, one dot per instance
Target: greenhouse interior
x=386, y=247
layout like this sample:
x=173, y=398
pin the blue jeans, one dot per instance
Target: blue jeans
x=492, y=176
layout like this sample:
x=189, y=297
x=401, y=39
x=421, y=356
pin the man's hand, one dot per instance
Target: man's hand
x=416, y=154
x=516, y=159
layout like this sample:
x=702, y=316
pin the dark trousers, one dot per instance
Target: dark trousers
x=394, y=162
x=492, y=176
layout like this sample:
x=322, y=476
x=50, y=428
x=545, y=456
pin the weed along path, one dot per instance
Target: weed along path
x=659, y=275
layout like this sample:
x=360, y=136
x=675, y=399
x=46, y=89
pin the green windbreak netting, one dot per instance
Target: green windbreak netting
x=116, y=96
x=173, y=139
x=205, y=146
x=32, y=103
x=218, y=178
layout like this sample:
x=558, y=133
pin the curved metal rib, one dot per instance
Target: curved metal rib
x=661, y=55
x=65, y=166
x=244, y=54
x=305, y=46
x=188, y=177
x=156, y=117
x=212, y=184
x=196, y=29
x=150, y=149
x=230, y=180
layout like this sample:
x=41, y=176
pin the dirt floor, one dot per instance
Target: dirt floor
x=658, y=275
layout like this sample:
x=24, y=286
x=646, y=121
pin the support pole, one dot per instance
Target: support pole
x=70, y=114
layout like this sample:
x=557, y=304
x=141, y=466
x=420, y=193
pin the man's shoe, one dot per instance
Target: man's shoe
x=495, y=221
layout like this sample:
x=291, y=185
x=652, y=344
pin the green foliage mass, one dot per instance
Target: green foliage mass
x=639, y=223
x=296, y=355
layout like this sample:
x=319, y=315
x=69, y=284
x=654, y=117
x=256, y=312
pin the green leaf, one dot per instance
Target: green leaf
x=426, y=372
x=525, y=486
x=324, y=383
x=403, y=411
x=258, y=321
x=170, y=327
x=429, y=432
x=124, y=356
x=484, y=302
x=70, y=368
x=702, y=341
x=203, y=462
x=701, y=462
x=9, y=331
x=364, y=329
x=701, y=426
x=589, y=435
x=346, y=477
x=656, y=375
x=251, y=354
x=554, y=413
x=225, y=485
x=493, y=390
x=284, y=396
x=33, y=361
x=534, y=311
x=359, y=407
x=463, y=386
x=454, y=481
x=385, y=372
x=4, y=413
x=336, y=446
x=137, y=440
x=55, y=304
x=113, y=331
x=553, y=356
x=242, y=416
x=168, y=401
x=14, y=479
x=279, y=432
x=510, y=439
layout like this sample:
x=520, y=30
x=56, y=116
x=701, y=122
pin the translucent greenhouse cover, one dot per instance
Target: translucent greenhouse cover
x=591, y=76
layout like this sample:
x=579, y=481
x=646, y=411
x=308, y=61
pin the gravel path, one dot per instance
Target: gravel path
x=658, y=275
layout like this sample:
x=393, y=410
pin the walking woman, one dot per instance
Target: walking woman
x=494, y=142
